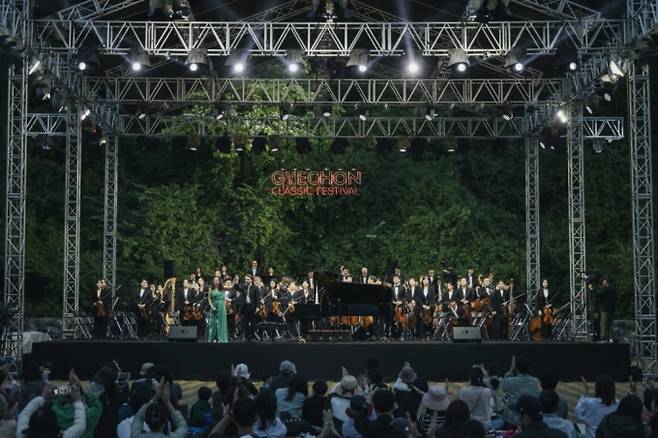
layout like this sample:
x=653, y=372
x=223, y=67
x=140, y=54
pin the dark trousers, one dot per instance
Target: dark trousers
x=142, y=325
x=248, y=321
x=422, y=329
x=100, y=327
x=499, y=327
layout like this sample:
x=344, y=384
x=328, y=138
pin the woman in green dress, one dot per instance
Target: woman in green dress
x=217, y=324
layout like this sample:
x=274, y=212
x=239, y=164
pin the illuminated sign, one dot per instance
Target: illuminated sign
x=316, y=182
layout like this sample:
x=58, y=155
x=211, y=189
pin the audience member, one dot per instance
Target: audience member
x=223, y=381
x=383, y=425
x=518, y=382
x=403, y=386
x=157, y=414
x=201, y=407
x=138, y=398
x=346, y=389
x=313, y=406
x=291, y=399
x=268, y=424
x=591, y=410
x=242, y=372
x=456, y=417
x=7, y=426
x=358, y=410
x=650, y=404
x=111, y=399
x=625, y=422
x=286, y=371
x=548, y=382
x=34, y=380
x=433, y=405
x=244, y=415
x=478, y=397
x=530, y=420
x=550, y=402
x=474, y=429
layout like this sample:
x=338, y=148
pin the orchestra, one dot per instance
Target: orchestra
x=266, y=307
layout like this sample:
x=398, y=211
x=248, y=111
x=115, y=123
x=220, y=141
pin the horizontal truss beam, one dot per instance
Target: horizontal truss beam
x=318, y=91
x=345, y=127
x=94, y=9
x=177, y=38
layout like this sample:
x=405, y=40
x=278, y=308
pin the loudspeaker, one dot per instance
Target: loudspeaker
x=182, y=334
x=466, y=334
x=168, y=268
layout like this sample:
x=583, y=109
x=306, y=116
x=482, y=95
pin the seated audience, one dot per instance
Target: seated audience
x=244, y=415
x=433, y=405
x=7, y=425
x=625, y=422
x=478, y=398
x=346, y=389
x=550, y=402
x=456, y=417
x=157, y=414
x=268, y=424
x=548, y=382
x=242, y=372
x=474, y=429
x=201, y=407
x=286, y=371
x=591, y=410
x=313, y=406
x=518, y=382
x=384, y=424
x=530, y=420
x=291, y=399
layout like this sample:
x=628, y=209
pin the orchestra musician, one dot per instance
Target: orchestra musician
x=250, y=300
x=102, y=302
x=399, y=300
x=498, y=299
x=363, y=279
x=545, y=301
x=255, y=270
x=143, y=299
x=471, y=278
x=185, y=299
x=425, y=301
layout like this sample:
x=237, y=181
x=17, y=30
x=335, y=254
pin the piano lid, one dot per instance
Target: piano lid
x=356, y=293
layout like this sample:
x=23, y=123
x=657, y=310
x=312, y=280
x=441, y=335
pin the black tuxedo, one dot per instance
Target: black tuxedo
x=472, y=281
x=300, y=298
x=468, y=293
x=421, y=299
x=483, y=293
x=497, y=299
x=402, y=293
x=180, y=298
x=250, y=298
x=100, y=324
x=456, y=296
x=146, y=298
x=312, y=283
x=363, y=280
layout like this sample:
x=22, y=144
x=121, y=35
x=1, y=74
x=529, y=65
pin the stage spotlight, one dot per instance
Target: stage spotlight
x=616, y=68
x=413, y=66
x=87, y=59
x=195, y=59
x=285, y=110
x=140, y=113
x=325, y=111
x=224, y=143
x=138, y=59
x=239, y=142
x=359, y=58
x=58, y=102
x=181, y=9
x=597, y=146
x=404, y=144
x=566, y=57
x=515, y=59
x=220, y=111
x=303, y=145
x=430, y=112
x=607, y=96
x=259, y=143
x=85, y=113
x=45, y=142
x=237, y=60
x=275, y=142
x=34, y=65
x=458, y=60
x=294, y=61
x=508, y=112
x=338, y=146
x=562, y=116
x=161, y=9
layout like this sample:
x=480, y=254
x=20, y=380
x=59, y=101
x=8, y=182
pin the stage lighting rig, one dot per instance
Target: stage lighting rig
x=138, y=59
x=359, y=59
x=508, y=112
x=220, y=111
x=567, y=57
x=285, y=110
x=87, y=59
x=161, y=9
x=458, y=61
x=275, y=143
x=181, y=9
x=515, y=60
x=85, y=113
x=403, y=144
x=196, y=59
x=294, y=61
x=237, y=60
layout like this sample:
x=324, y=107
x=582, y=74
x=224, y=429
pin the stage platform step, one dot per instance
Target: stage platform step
x=432, y=360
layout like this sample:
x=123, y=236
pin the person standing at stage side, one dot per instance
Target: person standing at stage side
x=607, y=295
x=217, y=323
x=102, y=302
x=143, y=300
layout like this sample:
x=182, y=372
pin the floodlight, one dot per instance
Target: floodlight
x=359, y=58
x=294, y=61
x=515, y=59
x=237, y=60
x=458, y=60
x=138, y=58
x=195, y=59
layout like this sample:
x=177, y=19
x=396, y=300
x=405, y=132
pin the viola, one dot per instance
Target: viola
x=276, y=308
x=188, y=311
x=427, y=315
x=100, y=309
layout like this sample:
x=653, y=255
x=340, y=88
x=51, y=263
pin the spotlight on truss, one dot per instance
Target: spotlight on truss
x=294, y=61
x=508, y=112
x=195, y=59
x=138, y=58
x=87, y=59
x=285, y=110
x=567, y=57
x=562, y=116
x=181, y=9
x=237, y=60
x=403, y=144
x=34, y=66
x=85, y=113
x=597, y=145
x=220, y=111
x=458, y=60
x=616, y=68
x=515, y=59
x=359, y=59
x=161, y=9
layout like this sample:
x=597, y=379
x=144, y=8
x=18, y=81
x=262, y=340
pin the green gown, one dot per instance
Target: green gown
x=217, y=325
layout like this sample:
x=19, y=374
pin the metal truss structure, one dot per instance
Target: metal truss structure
x=577, y=253
x=533, y=248
x=110, y=196
x=642, y=205
x=15, y=18
x=319, y=91
x=597, y=40
x=73, y=161
x=177, y=38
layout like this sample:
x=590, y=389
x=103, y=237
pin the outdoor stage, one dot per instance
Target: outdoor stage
x=322, y=360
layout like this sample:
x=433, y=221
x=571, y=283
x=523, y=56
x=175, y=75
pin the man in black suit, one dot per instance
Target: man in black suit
x=466, y=292
x=143, y=299
x=255, y=269
x=363, y=279
x=471, y=279
x=102, y=302
x=382, y=426
x=485, y=288
x=251, y=301
x=607, y=295
x=498, y=298
x=424, y=300
x=186, y=296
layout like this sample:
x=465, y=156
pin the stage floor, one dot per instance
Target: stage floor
x=322, y=360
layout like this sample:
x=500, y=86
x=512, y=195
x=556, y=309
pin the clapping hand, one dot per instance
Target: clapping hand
x=585, y=387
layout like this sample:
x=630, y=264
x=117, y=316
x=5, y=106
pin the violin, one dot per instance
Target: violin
x=276, y=308
x=398, y=313
x=188, y=311
x=427, y=315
